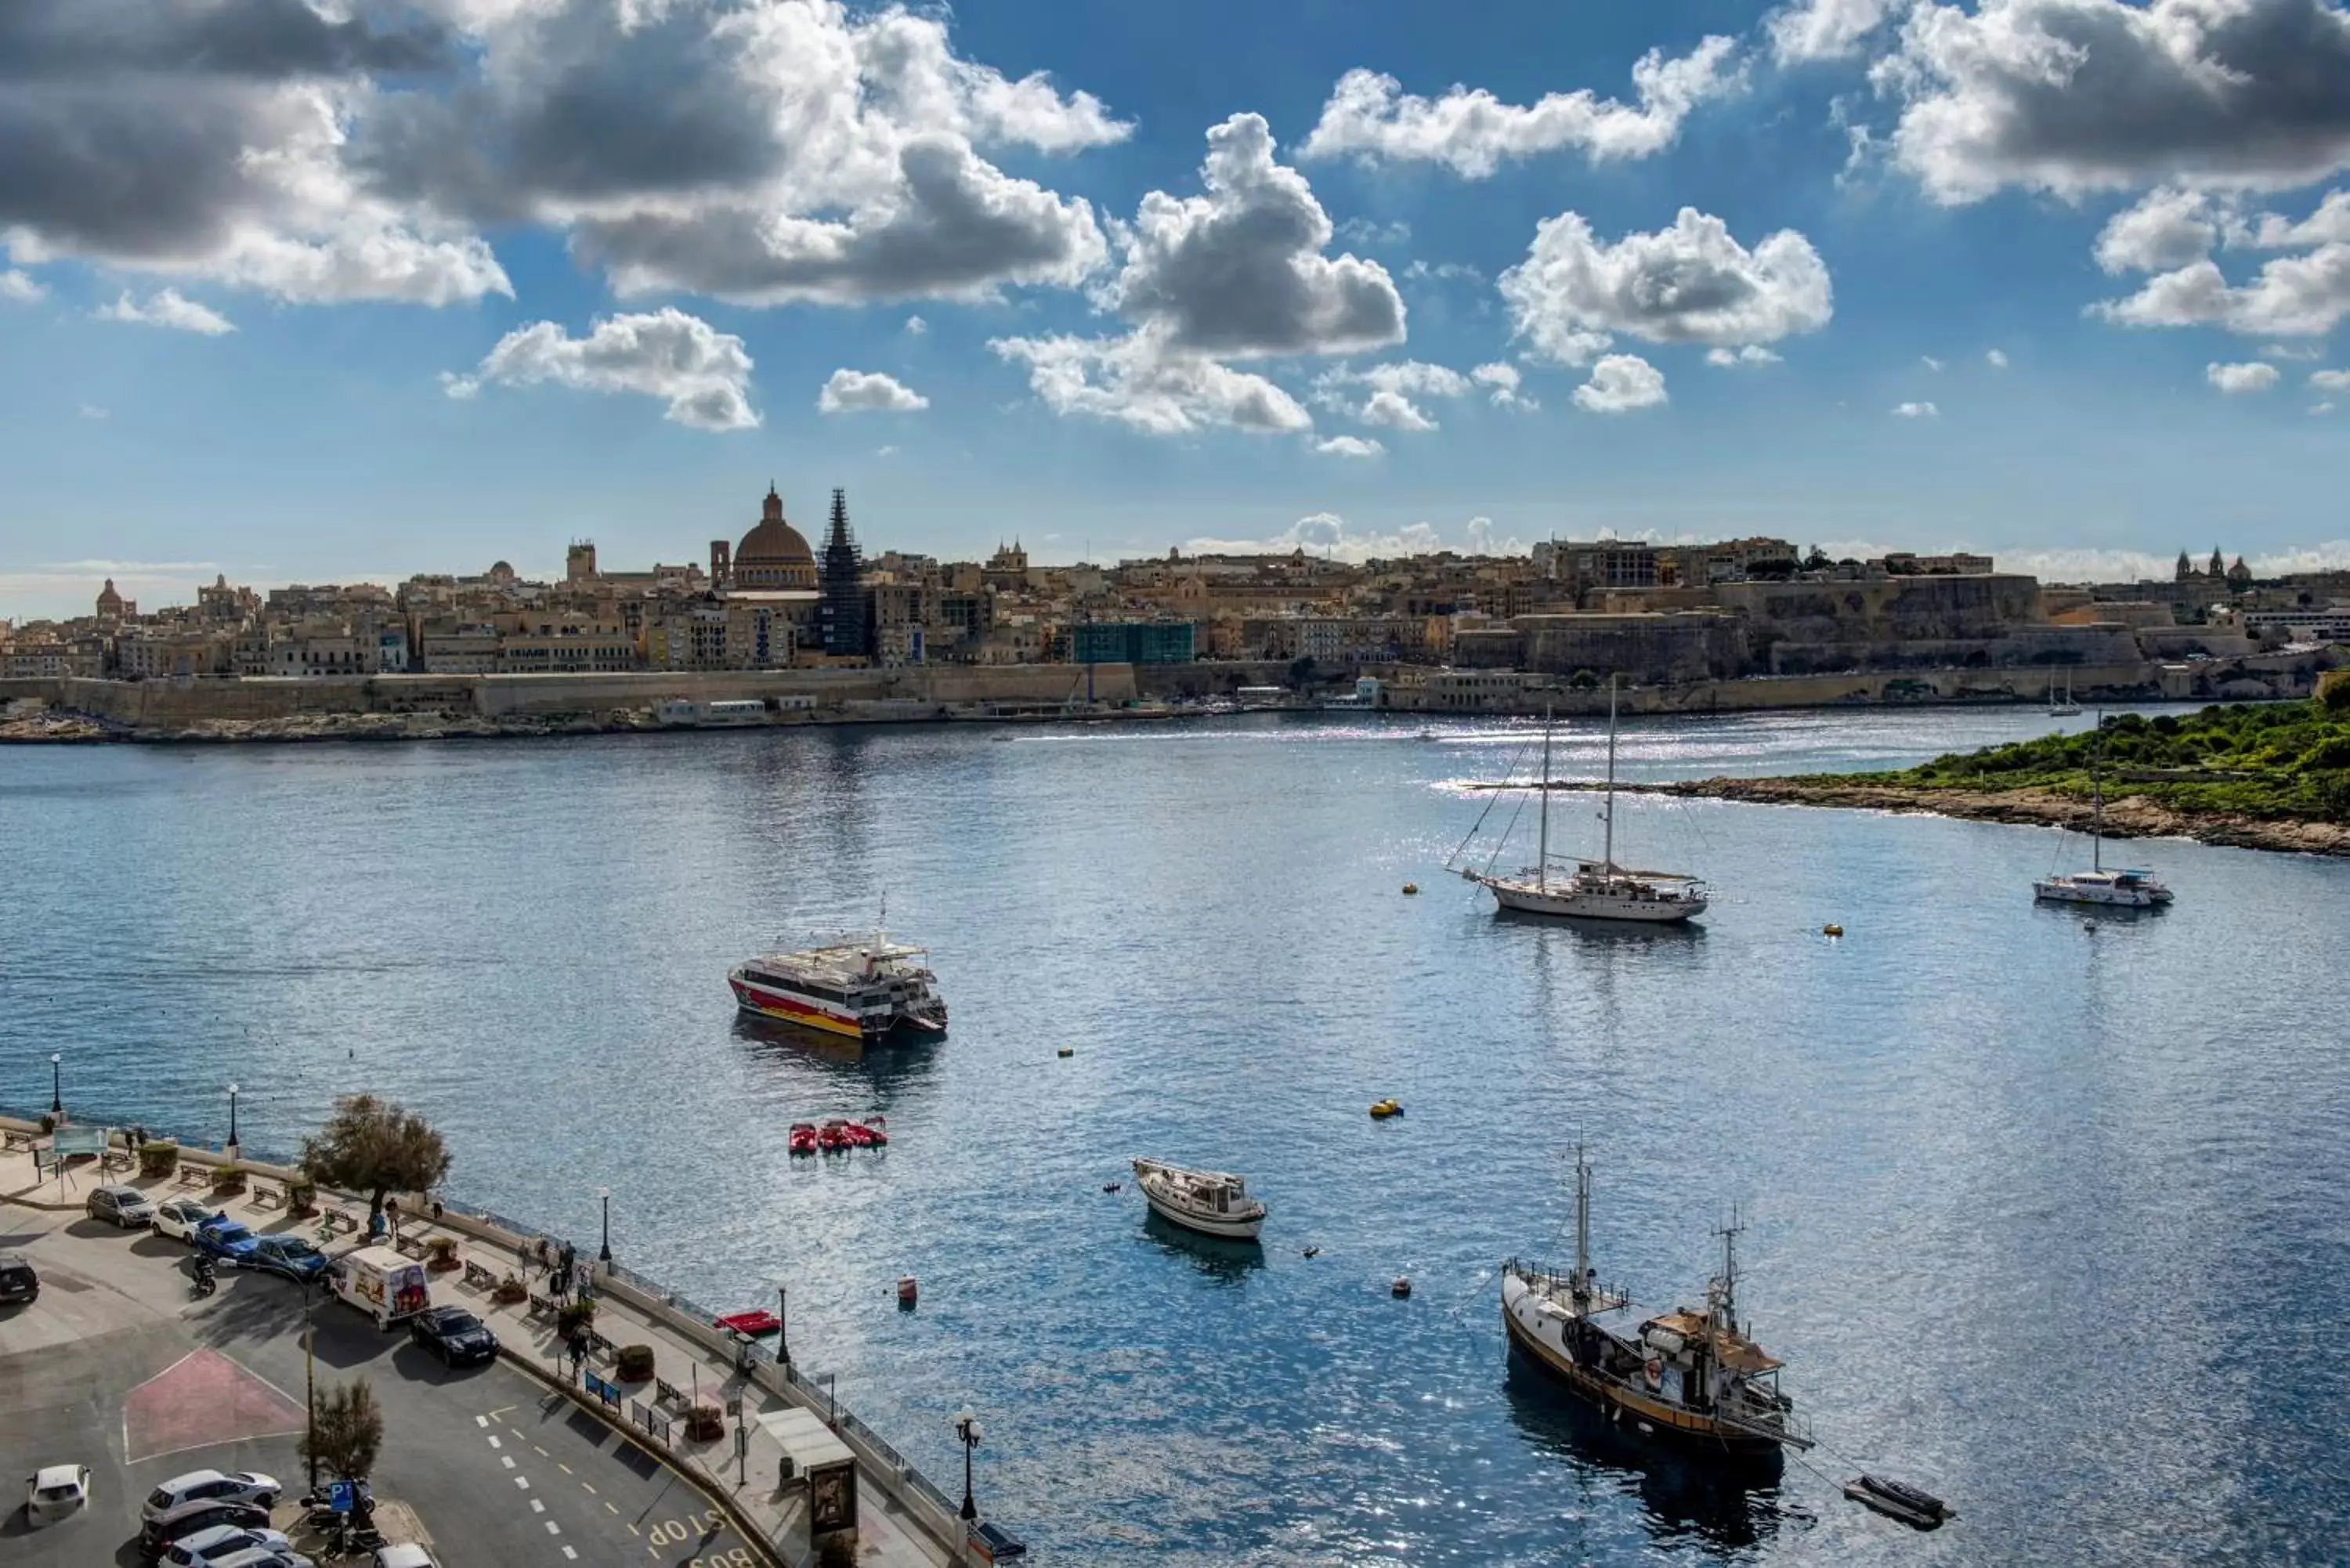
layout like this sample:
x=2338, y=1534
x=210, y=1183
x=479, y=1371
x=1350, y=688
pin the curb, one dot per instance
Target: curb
x=685, y=1469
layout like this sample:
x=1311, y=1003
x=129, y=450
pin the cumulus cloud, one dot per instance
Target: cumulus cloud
x=1370, y=116
x=1922, y=410
x=167, y=308
x=859, y=391
x=2074, y=96
x=915, y=326
x=2091, y=565
x=1504, y=381
x=1930, y=362
x=1140, y=383
x=1825, y=29
x=92, y=411
x=1349, y=446
x=1384, y=394
x=1327, y=534
x=1240, y=272
x=2330, y=380
x=1750, y=354
x=1620, y=383
x=1367, y=232
x=20, y=286
x=2292, y=296
x=2236, y=379
x=1394, y=412
x=2321, y=407
x=703, y=374
x=1995, y=358
x=2168, y=227
x=2329, y=224
x=1693, y=283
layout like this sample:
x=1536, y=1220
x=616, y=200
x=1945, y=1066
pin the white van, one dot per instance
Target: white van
x=382, y=1283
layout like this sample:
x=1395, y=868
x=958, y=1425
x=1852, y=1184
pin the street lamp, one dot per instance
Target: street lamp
x=966, y=1426
x=605, y=1193
x=783, y=1324
x=231, y=1122
x=57, y=1084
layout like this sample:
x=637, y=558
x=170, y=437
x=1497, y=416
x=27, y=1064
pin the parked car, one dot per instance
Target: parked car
x=176, y=1219
x=454, y=1334
x=55, y=1491
x=402, y=1555
x=125, y=1206
x=212, y=1486
x=291, y=1256
x=262, y=1557
x=19, y=1283
x=203, y=1513
x=205, y=1548
x=228, y=1240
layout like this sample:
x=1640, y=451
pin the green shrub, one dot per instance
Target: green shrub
x=301, y=1198
x=635, y=1364
x=158, y=1158
x=573, y=1316
x=228, y=1181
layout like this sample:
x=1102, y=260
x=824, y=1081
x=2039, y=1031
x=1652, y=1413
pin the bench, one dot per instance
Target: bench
x=668, y=1393
x=267, y=1197
x=195, y=1176
x=541, y=1306
x=341, y=1217
x=117, y=1159
x=480, y=1278
x=601, y=1348
x=12, y=1140
x=409, y=1247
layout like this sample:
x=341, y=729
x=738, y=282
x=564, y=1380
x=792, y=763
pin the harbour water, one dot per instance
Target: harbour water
x=2044, y=1207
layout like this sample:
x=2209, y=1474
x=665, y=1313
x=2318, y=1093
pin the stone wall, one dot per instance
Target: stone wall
x=1884, y=610
x=1643, y=648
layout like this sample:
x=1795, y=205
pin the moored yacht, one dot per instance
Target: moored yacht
x=1691, y=1374
x=1213, y=1203
x=2125, y=889
x=865, y=987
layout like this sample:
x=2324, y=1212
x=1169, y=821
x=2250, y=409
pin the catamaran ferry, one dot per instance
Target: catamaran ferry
x=864, y=989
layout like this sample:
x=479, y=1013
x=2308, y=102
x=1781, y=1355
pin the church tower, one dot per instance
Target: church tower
x=2219, y=565
x=845, y=611
x=2185, y=567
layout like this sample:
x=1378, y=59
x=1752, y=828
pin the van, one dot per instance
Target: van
x=382, y=1283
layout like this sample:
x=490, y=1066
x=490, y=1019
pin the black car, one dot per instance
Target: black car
x=454, y=1334
x=19, y=1283
x=201, y=1514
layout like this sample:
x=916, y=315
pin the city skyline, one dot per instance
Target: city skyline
x=1832, y=271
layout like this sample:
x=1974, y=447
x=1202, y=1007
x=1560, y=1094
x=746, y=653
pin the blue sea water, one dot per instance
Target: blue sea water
x=2044, y=1209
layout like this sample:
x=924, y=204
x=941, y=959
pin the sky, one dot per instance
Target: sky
x=319, y=290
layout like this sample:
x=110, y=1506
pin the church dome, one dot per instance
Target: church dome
x=773, y=555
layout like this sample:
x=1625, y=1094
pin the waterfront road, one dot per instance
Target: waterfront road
x=116, y=1367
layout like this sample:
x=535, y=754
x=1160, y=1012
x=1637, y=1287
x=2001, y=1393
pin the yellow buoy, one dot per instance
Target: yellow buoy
x=1831, y=930
x=1066, y=1051
x=1385, y=1109
x=1411, y=886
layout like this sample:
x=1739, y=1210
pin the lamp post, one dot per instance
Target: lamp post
x=783, y=1324
x=57, y=1084
x=605, y=1193
x=231, y=1122
x=966, y=1426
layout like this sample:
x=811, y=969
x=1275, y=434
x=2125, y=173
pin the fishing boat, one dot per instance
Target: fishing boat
x=1597, y=890
x=1691, y=1374
x=2131, y=890
x=1213, y=1203
x=865, y=987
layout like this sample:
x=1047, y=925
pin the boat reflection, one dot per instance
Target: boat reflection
x=1727, y=1505
x=886, y=1068
x=1225, y=1261
x=1642, y=932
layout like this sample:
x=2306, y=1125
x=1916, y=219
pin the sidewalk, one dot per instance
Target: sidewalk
x=888, y=1537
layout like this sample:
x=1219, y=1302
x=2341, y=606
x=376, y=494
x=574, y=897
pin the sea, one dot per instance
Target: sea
x=2043, y=1208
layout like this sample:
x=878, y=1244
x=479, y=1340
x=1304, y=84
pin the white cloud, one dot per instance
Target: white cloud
x=1917, y=411
x=703, y=374
x=1393, y=385
x=1349, y=446
x=20, y=286
x=1444, y=272
x=92, y=411
x=2078, y=566
x=2234, y=379
x=2289, y=351
x=1506, y=381
x=168, y=309
x=1472, y=132
x=1749, y=354
x=2321, y=407
x=2168, y=227
x=2329, y=223
x=1393, y=411
x=1327, y=535
x=1620, y=383
x=2073, y=96
x=2292, y=296
x=915, y=326
x=2330, y=380
x=1690, y=284
x=1995, y=358
x=1930, y=362
x=861, y=391
x=1137, y=380
x=1811, y=31
x=1365, y=232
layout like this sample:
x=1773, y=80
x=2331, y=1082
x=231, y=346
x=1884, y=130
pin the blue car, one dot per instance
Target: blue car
x=226, y=1240
x=289, y=1255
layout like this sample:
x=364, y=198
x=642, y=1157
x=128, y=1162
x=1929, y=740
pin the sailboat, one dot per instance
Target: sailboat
x=1597, y=889
x=2128, y=889
x=2066, y=708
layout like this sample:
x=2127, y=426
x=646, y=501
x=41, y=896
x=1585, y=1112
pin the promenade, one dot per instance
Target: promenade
x=901, y=1522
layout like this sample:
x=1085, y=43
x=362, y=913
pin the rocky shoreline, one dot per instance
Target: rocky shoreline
x=2128, y=816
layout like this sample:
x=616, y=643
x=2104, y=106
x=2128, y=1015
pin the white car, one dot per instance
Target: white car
x=207, y=1548
x=262, y=1557
x=212, y=1486
x=55, y=1491
x=402, y=1555
x=176, y=1219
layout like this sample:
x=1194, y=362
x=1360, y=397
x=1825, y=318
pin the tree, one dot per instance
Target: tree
x=1301, y=671
x=348, y=1430
x=376, y=1148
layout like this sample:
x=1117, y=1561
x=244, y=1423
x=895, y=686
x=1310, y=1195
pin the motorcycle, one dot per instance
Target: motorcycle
x=206, y=1281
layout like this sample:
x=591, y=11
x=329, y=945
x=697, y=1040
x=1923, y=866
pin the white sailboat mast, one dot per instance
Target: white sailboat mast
x=2097, y=799
x=1541, y=852
x=1607, y=850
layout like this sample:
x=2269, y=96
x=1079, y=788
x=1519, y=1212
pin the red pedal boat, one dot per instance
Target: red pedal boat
x=804, y=1138
x=880, y=1128
x=869, y=1134
x=833, y=1134
x=753, y=1324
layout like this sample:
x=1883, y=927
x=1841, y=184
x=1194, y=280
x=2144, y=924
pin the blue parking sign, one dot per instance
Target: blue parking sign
x=342, y=1496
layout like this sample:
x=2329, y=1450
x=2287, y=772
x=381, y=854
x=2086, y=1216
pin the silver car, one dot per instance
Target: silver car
x=208, y=1548
x=212, y=1486
x=125, y=1206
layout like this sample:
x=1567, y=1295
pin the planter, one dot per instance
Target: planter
x=634, y=1363
x=158, y=1159
x=441, y=1254
x=301, y=1198
x=509, y=1291
x=228, y=1181
x=705, y=1424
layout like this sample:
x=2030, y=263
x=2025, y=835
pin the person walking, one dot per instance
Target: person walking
x=564, y=1264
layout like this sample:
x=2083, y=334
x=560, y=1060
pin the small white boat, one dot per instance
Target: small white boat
x=2065, y=707
x=2121, y=889
x=1213, y=1203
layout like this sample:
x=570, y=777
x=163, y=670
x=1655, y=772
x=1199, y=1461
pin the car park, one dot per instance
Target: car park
x=454, y=1334
x=55, y=1492
x=203, y=1513
x=18, y=1279
x=124, y=1206
x=205, y=1548
x=177, y=1218
x=212, y=1486
x=227, y=1239
x=292, y=1256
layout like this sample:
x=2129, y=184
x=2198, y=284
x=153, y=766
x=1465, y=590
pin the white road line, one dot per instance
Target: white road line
x=610, y=1508
x=553, y=1527
x=591, y=1490
x=568, y=1551
x=541, y=1452
x=567, y=1470
x=536, y=1506
x=509, y=1461
x=633, y=1528
x=522, y=1482
x=493, y=1441
x=481, y=1421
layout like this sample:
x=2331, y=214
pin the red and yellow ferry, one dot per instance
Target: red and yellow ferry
x=864, y=989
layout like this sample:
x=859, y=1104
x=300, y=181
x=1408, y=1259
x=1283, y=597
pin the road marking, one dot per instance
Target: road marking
x=591, y=1490
x=536, y=1506
x=499, y=1412
x=493, y=1441
x=522, y=1482
x=568, y=1551
x=482, y=1421
x=509, y=1461
x=567, y=1470
x=553, y=1527
x=610, y=1508
x=632, y=1527
x=542, y=1453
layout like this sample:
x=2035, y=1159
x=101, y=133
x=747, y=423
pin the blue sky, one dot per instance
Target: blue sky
x=307, y=292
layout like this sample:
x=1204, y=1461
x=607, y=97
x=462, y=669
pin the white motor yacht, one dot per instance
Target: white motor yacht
x=1213, y=1203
